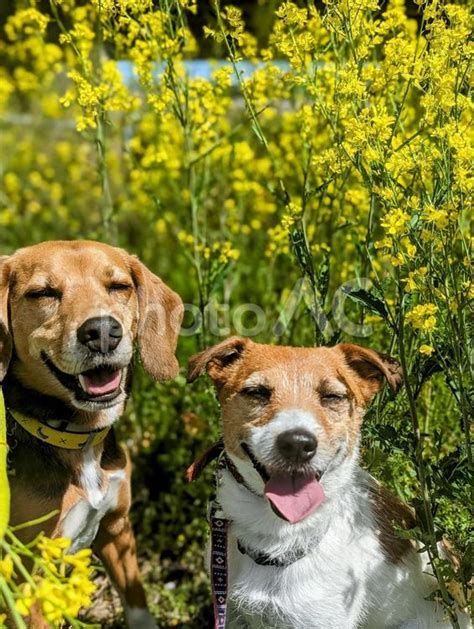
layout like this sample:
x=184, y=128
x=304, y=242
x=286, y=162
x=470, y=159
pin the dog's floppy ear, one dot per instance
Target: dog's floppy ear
x=159, y=322
x=215, y=360
x=372, y=367
x=5, y=336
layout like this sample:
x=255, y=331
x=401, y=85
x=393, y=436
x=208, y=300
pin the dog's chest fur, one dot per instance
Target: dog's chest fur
x=345, y=580
x=100, y=496
x=81, y=486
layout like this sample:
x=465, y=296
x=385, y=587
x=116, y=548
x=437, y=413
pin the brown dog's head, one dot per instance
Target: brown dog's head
x=294, y=414
x=70, y=313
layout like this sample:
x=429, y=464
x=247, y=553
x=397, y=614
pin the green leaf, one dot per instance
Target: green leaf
x=372, y=303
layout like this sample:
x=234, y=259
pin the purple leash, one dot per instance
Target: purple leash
x=219, y=528
x=219, y=573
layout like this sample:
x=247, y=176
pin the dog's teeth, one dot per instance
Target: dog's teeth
x=82, y=382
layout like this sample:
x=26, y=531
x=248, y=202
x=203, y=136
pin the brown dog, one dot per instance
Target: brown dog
x=70, y=314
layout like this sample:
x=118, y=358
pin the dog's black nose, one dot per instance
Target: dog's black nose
x=297, y=446
x=100, y=334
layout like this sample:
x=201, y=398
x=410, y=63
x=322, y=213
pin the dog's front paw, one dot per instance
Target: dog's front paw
x=139, y=618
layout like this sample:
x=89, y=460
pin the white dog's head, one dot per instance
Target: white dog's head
x=291, y=414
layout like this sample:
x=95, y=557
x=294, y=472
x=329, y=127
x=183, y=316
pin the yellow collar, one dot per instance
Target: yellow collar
x=60, y=438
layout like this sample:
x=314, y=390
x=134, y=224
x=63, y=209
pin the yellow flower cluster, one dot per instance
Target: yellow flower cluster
x=59, y=583
x=109, y=95
x=395, y=222
x=233, y=29
x=35, y=61
x=426, y=350
x=6, y=568
x=423, y=317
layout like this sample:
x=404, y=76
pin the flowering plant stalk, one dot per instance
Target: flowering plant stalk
x=42, y=575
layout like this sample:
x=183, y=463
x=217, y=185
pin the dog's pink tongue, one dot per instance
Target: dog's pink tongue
x=100, y=381
x=294, y=496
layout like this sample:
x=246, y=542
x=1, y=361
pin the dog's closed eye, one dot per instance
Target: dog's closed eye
x=331, y=399
x=257, y=392
x=119, y=287
x=46, y=292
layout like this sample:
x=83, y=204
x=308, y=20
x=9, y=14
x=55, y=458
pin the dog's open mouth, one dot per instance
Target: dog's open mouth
x=101, y=384
x=293, y=496
x=100, y=381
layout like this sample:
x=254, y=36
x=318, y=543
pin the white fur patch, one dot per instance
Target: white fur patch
x=91, y=478
x=344, y=581
x=262, y=439
x=82, y=521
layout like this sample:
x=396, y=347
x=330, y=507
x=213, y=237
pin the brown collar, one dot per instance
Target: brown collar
x=211, y=454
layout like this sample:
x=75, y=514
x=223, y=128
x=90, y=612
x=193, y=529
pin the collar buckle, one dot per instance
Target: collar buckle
x=88, y=442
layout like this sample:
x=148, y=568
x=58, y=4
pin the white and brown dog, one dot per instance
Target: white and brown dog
x=312, y=538
x=70, y=314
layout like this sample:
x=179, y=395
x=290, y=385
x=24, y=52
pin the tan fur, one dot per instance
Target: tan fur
x=82, y=271
x=391, y=514
x=5, y=336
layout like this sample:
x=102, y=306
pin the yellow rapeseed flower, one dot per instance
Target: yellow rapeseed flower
x=422, y=317
x=426, y=350
x=395, y=222
x=6, y=567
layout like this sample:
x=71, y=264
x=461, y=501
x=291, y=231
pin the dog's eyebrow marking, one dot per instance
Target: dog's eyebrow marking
x=42, y=278
x=41, y=281
x=116, y=275
x=254, y=379
x=110, y=271
x=336, y=385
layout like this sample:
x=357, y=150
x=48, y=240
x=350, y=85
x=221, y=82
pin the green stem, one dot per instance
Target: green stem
x=9, y=600
x=432, y=548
